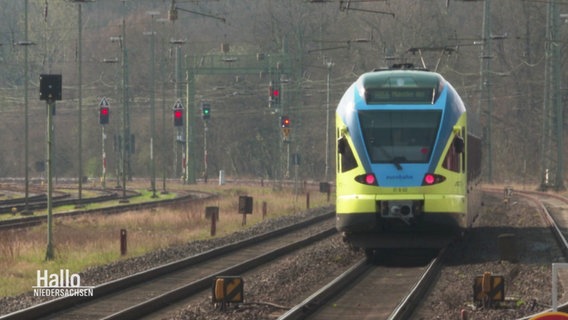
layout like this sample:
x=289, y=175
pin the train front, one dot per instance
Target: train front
x=401, y=164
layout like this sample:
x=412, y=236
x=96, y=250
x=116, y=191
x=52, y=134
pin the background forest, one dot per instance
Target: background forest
x=323, y=47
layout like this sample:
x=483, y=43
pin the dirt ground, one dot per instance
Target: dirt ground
x=527, y=271
x=278, y=286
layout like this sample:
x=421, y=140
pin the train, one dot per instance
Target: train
x=408, y=161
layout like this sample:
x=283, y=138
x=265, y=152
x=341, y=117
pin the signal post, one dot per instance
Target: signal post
x=178, y=115
x=104, y=115
x=50, y=91
x=205, y=115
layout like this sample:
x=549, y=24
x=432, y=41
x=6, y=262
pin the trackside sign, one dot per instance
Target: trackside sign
x=62, y=284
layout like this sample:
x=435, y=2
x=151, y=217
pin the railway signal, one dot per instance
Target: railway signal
x=104, y=112
x=285, y=122
x=104, y=115
x=285, y=125
x=178, y=114
x=178, y=117
x=205, y=111
x=274, y=94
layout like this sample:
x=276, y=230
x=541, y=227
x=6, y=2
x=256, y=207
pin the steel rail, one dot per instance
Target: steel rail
x=555, y=229
x=163, y=300
x=30, y=221
x=106, y=289
x=405, y=309
x=323, y=295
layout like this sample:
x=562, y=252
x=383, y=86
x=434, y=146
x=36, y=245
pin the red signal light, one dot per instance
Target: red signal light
x=178, y=117
x=104, y=113
x=274, y=93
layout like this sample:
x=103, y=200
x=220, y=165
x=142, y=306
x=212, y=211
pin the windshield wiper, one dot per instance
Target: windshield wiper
x=394, y=160
x=397, y=160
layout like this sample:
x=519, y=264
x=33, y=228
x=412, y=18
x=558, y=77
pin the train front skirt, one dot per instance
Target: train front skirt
x=400, y=224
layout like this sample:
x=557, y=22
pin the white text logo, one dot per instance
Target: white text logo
x=62, y=284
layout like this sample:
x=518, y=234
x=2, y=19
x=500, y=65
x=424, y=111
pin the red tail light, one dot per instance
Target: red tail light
x=367, y=178
x=430, y=179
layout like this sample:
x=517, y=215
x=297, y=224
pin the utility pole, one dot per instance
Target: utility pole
x=26, y=108
x=329, y=65
x=152, y=104
x=553, y=123
x=80, y=105
x=485, y=85
x=178, y=134
x=125, y=151
x=80, y=101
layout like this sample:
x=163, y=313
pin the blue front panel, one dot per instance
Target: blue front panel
x=410, y=170
x=390, y=162
x=410, y=176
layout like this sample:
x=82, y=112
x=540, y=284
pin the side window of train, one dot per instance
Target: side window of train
x=348, y=161
x=454, y=158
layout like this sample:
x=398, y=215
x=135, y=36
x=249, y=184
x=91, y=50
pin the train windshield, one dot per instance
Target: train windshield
x=399, y=136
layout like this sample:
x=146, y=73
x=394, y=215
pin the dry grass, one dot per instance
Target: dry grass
x=95, y=240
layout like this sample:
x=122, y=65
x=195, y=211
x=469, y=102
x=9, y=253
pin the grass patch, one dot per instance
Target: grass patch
x=85, y=241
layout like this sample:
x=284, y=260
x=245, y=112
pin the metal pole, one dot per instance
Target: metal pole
x=485, y=85
x=103, y=154
x=125, y=131
x=189, y=143
x=80, y=107
x=205, y=129
x=557, y=103
x=163, y=140
x=329, y=64
x=49, y=252
x=153, y=106
x=26, y=108
x=177, y=89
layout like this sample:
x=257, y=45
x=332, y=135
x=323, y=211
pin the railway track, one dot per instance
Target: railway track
x=30, y=221
x=400, y=273
x=557, y=221
x=140, y=294
x=355, y=294
x=13, y=199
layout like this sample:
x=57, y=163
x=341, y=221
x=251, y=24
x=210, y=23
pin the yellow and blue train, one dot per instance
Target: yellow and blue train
x=407, y=160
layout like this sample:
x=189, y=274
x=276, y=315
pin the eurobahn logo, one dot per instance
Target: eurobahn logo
x=62, y=284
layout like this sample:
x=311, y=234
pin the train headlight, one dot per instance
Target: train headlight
x=367, y=178
x=430, y=179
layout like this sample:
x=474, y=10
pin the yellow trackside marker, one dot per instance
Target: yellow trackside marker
x=488, y=288
x=228, y=290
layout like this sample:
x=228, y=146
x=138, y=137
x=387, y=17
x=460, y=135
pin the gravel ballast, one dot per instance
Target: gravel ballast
x=293, y=278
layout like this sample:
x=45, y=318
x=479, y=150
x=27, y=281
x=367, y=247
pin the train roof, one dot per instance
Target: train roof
x=402, y=78
x=400, y=86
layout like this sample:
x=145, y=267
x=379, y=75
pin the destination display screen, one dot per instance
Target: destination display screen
x=399, y=95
